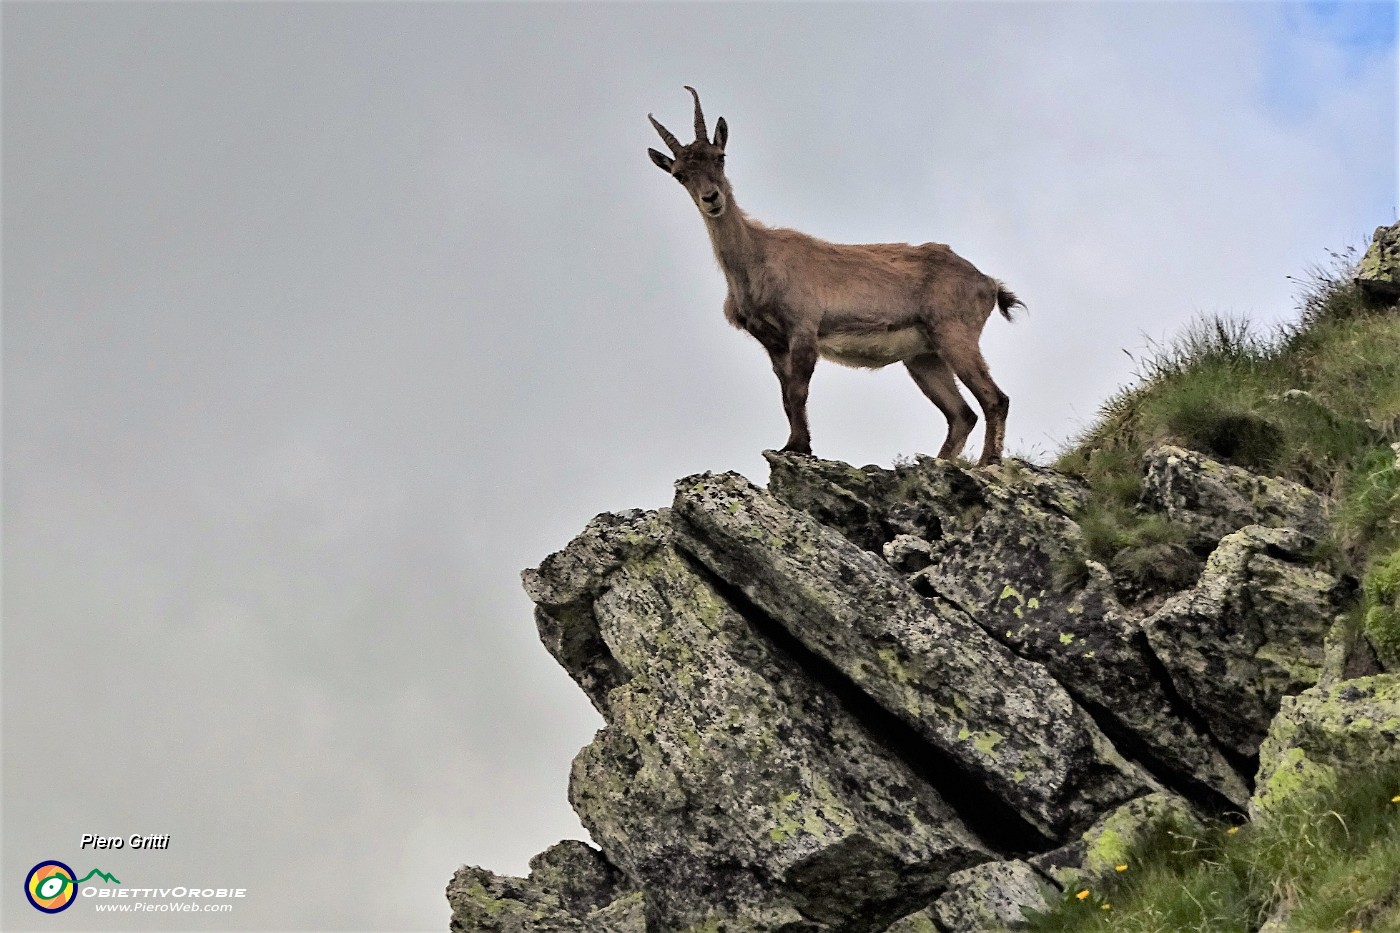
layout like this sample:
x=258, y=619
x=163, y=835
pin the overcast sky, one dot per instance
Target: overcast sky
x=322, y=321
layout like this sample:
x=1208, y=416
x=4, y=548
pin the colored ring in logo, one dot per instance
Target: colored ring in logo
x=51, y=887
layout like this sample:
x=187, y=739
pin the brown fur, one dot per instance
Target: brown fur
x=859, y=305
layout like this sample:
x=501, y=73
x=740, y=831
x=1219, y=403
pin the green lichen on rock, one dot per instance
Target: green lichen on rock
x=1325, y=734
x=1379, y=269
x=995, y=540
x=731, y=788
x=992, y=897
x=571, y=889
x=1111, y=841
x=796, y=684
x=1214, y=499
x=924, y=661
x=1251, y=632
x=921, y=922
x=1381, y=619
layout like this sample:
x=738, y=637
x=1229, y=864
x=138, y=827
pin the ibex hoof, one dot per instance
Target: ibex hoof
x=797, y=449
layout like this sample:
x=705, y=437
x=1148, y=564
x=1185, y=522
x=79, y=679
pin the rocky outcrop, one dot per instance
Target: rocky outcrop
x=869, y=699
x=1214, y=499
x=1379, y=270
x=1251, y=632
x=1323, y=735
x=727, y=783
x=1000, y=720
x=991, y=896
x=571, y=887
x=996, y=544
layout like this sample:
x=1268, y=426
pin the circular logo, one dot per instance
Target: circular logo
x=51, y=887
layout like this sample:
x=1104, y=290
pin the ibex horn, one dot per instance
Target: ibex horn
x=700, y=134
x=666, y=136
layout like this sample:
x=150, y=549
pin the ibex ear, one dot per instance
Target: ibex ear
x=663, y=162
x=721, y=133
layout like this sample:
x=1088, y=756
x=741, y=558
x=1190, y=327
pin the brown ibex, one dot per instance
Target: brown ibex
x=866, y=306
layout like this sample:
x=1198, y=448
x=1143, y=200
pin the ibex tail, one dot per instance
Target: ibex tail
x=1006, y=300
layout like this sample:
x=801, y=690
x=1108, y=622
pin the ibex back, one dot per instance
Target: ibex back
x=867, y=306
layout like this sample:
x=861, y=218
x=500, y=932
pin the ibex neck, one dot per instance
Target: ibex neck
x=732, y=234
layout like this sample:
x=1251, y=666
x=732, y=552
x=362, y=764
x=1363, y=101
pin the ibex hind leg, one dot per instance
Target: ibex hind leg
x=965, y=357
x=935, y=379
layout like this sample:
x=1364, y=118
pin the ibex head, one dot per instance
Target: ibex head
x=698, y=166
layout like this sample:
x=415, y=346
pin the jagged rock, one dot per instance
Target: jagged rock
x=624, y=915
x=921, y=922
x=837, y=494
x=1003, y=571
x=829, y=705
x=570, y=888
x=1346, y=653
x=992, y=896
x=925, y=498
x=578, y=875
x=908, y=554
x=1003, y=722
x=565, y=585
x=1098, y=854
x=1214, y=499
x=997, y=556
x=1324, y=734
x=1250, y=633
x=1379, y=271
x=726, y=784
x=490, y=903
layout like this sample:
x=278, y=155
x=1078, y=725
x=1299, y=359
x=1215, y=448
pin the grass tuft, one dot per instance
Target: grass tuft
x=1326, y=861
x=1317, y=402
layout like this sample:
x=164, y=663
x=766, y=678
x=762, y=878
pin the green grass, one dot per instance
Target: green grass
x=1331, y=860
x=1317, y=402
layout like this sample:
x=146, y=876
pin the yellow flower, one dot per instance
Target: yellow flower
x=1395, y=799
x=1120, y=867
x=1232, y=830
x=1106, y=907
x=1083, y=894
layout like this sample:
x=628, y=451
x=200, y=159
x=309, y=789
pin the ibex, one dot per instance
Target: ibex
x=865, y=306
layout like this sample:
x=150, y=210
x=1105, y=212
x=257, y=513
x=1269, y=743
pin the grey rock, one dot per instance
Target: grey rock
x=579, y=876
x=731, y=788
x=483, y=902
x=851, y=499
x=1002, y=537
x=1001, y=720
x=1347, y=653
x=920, y=922
x=1250, y=632
x=908, y=554
x=1214, y=499
x=992, y=896
x=569, y=890
x=1003, y=570
x=1324, y=734
x=624, y=915
x=1379, y=270
x=1106, y=848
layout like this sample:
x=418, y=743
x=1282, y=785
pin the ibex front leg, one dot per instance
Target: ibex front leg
x=794, y=367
